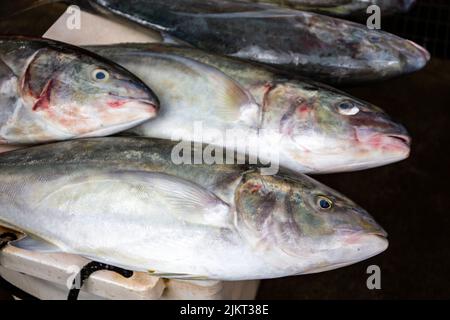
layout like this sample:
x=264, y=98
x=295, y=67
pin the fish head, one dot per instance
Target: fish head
x=304, y=225
x=383, y=54
x=327, y=130
x=364, y=54
x=77, y=94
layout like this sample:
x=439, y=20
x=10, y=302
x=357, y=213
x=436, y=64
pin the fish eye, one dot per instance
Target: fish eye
x=348, y=108
x=100, y=75
x=324, y=203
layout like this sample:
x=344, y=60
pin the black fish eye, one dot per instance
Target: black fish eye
x=348, y=108
x=345, y=105
x=100, y=75
x=324, y=203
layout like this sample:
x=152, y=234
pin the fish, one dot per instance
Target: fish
x=324, y=48
x=123, y=201
x=295, y=123
x=51, y=91
x=344, y=8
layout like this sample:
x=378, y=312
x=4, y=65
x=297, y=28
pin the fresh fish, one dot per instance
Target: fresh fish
x=299, y=124
x=344, y=8
x=324, y=48
x=124, y=202
x=53, y=91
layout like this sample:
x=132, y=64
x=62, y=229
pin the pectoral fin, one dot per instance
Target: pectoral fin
x=189, y=201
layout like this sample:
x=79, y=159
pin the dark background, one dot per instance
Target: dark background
x=409, y=199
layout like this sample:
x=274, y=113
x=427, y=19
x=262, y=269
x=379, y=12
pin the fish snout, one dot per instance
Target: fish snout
x=367, y=229
x=362, y=223
x=368, y=244
x=136, y=94
x=151, y=108
x=388, y=137
x=415, y=56
x=397, y=139
x=150, y=100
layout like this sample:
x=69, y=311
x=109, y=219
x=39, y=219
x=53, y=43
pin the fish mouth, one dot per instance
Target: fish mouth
x=377, y=231
x=376, y=239
x=128, y=112
x=380, y=233
x=151, y=102
x=405, y=139
x=396, y=142
x=370, y=244
x=399, y=143
x=150, y=106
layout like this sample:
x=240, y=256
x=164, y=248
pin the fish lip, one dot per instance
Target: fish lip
x=150, y=102
x=401, y=144
x=396, y=140
x=355, y=237
x=380, y=232
x=382, y=245
x=403, y=138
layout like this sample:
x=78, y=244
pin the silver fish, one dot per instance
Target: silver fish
x=124, y=202
x=298, y=124
x=52, y=91
x=321, y=47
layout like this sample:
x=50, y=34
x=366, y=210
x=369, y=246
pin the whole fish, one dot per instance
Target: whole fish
x=298, y=124
x=344, y=8
x=124, y=202
x=53, y=91
x=321, y=47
